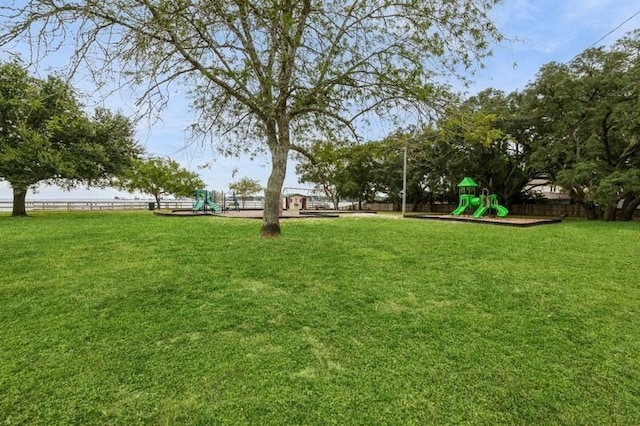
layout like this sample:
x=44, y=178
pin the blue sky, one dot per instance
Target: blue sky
x=539, y=31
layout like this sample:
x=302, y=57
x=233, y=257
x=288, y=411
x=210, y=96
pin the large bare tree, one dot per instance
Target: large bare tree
x=264, y=73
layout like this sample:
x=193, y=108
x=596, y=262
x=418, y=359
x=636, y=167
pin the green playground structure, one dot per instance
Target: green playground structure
x=204, y=199
x=482, y=203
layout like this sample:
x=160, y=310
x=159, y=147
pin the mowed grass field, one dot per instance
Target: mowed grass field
x=129, y=318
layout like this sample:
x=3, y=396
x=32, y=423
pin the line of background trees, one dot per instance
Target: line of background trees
x=47, y=137
x=264, y=76
x=577, y=125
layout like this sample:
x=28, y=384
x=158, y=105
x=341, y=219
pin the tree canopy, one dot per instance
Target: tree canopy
x=46, y=137
x=576, y=126
x=488, y=138
x=273, y=71
x=245, y=188
x=586, y=120
x=159, y=176
x=324, y=165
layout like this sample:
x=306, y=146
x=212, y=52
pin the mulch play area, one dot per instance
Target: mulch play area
x=302, y=214
x=507, y=221
x=257, y=214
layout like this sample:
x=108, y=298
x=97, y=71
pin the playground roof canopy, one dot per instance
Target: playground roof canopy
x=467, y=182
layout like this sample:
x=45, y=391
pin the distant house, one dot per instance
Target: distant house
x=548, y=190
x=294, y=202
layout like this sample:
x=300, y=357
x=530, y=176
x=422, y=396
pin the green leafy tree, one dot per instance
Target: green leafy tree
x=586, y=117
x=45, y=137
x=361, y=171
x=245, y=188
x=426, y=166
x=358, y=177
x=271, y=71
x=429, y=178
x=489, y=139
x=323, y=164
x=341, y=169
x=158, y=177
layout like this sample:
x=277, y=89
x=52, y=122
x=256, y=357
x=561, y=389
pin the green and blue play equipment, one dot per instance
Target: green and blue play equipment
x=482, y=204
x=204, y=199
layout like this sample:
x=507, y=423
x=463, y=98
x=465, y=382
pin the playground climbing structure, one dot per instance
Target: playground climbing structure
x=204, y=200
x=482, y=204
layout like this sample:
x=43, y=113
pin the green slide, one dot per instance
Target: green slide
x=478, y=213
x=465, y=200
x=501, y=210
x=198, y=205
x=459, y=210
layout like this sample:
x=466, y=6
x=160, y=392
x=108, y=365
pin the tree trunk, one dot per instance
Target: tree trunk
x=587, y=209
x=19, y=204
x=630, y=209
x=610, y=213
x=157, y=201
x=509, y=200
x=273, y=191
x=593, y=211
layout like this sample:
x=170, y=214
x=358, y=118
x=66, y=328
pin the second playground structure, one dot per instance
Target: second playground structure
x=204, y=199
x=482, y=204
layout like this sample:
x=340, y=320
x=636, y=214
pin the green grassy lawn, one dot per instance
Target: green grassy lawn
x=129, y=318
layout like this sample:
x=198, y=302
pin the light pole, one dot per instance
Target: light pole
x=404, y=183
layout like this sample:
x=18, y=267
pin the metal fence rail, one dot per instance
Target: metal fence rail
x=50, y=205
x=89, y=205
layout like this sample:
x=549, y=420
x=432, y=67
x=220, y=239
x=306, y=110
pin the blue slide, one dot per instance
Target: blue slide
x=198, y=205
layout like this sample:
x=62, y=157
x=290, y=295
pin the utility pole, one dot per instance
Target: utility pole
x=404, y=183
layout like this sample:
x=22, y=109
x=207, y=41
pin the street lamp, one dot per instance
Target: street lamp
x=404, y=183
